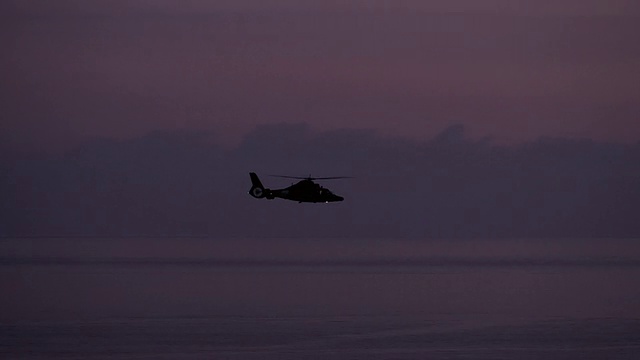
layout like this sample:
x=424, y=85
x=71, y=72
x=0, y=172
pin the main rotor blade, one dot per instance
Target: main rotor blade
x=313, y=178
x=289, y=177
x=332, y=177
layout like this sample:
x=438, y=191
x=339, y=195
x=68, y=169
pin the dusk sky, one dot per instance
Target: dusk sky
x=457, y=118
x=509, y=70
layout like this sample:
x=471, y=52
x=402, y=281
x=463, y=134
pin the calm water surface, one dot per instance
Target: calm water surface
x=318, y=299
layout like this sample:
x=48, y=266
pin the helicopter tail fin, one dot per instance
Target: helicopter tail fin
x=255, y=181
x=257, y=189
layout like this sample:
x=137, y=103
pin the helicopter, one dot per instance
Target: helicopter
x=303, y=191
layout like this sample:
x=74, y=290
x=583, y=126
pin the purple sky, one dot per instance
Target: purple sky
x=511, y=70
x=397, y=96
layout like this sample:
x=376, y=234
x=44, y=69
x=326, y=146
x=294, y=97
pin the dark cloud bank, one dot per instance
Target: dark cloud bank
x=183, y=184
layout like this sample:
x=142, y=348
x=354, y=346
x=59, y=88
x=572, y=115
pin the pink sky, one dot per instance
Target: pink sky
x=511, y=70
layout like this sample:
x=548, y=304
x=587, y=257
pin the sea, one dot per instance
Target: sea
x=287, y=298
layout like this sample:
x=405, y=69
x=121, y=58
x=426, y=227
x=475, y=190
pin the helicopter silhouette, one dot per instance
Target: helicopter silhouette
x=303, y=191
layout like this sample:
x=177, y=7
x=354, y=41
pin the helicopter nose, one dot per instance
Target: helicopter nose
x=339, y=198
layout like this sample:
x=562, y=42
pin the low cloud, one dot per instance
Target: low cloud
x=170, y=184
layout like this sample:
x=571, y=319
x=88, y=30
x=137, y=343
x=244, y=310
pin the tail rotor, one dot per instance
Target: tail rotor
x=257, y=190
